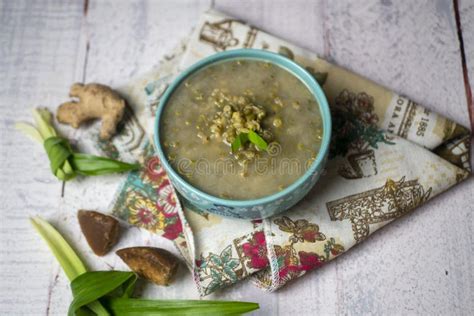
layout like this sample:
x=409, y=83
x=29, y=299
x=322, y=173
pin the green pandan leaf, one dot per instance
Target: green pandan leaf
x=240, y=141
x=59, y=151
x=257, y=140
x=244, y=138
x=91, y=286
x=135, y=307
x=90, y=165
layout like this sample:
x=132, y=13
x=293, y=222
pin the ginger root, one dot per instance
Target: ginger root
x=95, y=101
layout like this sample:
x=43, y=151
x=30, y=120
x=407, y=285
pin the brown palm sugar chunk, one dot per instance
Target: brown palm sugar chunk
x=154, y=264
x=101, y=231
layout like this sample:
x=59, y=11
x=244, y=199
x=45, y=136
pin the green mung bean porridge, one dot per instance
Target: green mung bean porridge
x=241, y=129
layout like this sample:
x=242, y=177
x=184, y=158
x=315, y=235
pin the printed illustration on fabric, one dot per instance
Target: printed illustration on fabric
x=147, y=200
x=294, y=258
x=457, y=151
x=386, y=203
x=220, y=35
x=402, y=118
x=243, y=257
x=355, y=134
x=154, y=91
x=218, y=270
x=252, y=249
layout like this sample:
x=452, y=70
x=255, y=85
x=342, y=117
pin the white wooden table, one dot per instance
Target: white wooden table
x=422, y=264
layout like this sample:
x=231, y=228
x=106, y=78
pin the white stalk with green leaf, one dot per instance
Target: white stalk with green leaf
x=67, y=258
x=65, y=163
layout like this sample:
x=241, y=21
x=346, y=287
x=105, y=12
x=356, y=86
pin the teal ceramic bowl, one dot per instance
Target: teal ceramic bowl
x=269, y=205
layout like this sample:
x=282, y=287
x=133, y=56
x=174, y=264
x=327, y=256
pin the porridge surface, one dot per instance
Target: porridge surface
x=241, y=99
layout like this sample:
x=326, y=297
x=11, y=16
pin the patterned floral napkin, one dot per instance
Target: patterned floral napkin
x=388, y=156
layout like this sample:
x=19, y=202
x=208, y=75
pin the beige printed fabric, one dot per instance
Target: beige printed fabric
x=388, y=156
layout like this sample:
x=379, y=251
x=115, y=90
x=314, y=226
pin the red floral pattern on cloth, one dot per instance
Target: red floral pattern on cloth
x=167, y=203
x=153, y=173
x=145, y=217
x=174, y=230
x=293, y=262
x=287, y=262
x=143, y=212
x=300, y=229
x=256, y=250
x=148, y=200
x=309, y=260
x=293, y=266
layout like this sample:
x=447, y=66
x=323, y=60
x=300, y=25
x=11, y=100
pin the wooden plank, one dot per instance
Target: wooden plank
x=128, y=38
x=299, y=22
x=39, y=47
x=411, y=48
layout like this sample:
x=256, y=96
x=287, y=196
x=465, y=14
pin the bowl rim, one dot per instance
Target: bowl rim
x=255, y=54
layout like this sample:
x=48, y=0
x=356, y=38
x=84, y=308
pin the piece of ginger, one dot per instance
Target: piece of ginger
x=95, y=101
